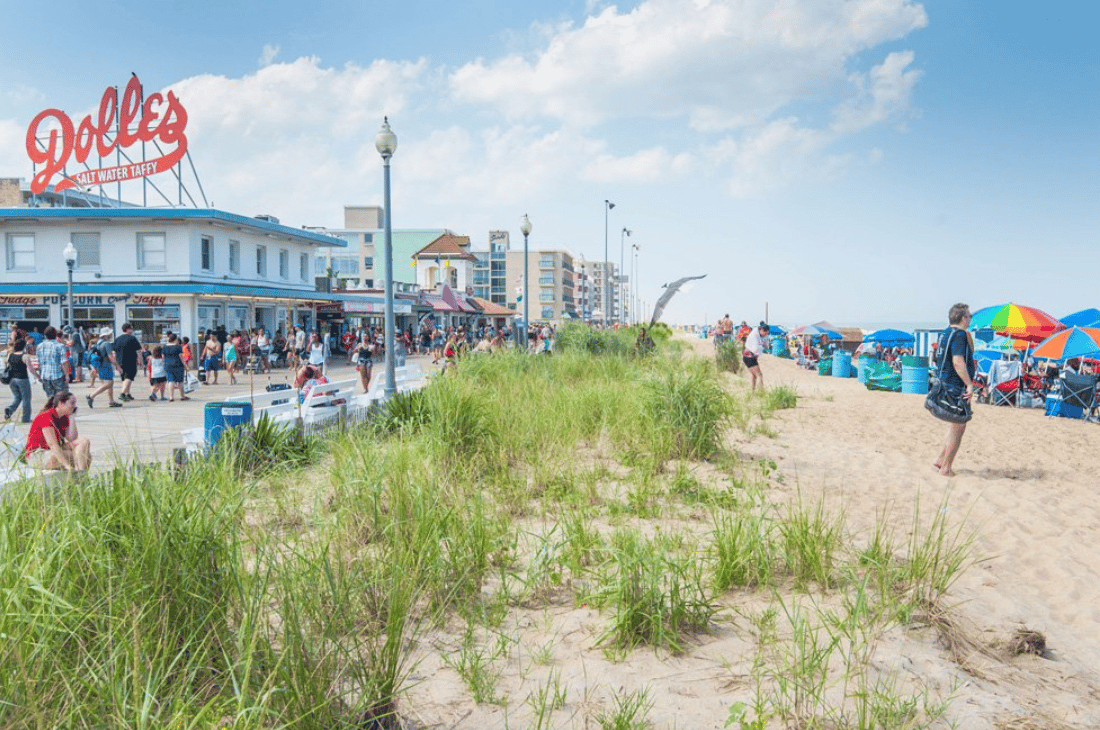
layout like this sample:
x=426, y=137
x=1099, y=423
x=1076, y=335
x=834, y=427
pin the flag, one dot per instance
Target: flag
x=447, y=264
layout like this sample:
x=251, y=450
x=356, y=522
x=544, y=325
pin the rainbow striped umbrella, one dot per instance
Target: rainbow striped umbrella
x=1016, y=320
x=1074, y=342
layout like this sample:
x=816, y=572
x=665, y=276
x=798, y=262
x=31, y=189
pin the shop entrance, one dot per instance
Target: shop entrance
x=25, y=318
x=152, y=324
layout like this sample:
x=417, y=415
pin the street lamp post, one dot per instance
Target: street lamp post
x=634, y=285
x=622, y=238
x=386, y=144
x=525, y=226
x=607, y=206
x=70, y=261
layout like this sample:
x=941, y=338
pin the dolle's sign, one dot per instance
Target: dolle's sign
x=116, y=126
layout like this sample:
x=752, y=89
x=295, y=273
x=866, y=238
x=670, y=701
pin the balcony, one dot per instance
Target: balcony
x=547, y=264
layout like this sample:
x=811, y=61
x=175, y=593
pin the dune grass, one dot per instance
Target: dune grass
x=161, y=597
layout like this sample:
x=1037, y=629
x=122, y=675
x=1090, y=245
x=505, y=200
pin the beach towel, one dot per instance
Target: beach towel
x=880, y=376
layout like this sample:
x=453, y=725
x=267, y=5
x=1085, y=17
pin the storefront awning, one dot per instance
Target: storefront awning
x=438, y=305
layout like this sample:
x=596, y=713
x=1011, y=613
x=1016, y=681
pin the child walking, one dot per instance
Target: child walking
x=231, y=360
x=158, y=374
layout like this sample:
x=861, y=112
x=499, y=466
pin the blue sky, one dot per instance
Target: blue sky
x=863, y=161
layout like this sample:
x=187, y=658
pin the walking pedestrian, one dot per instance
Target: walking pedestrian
x=174, y=367
x=127, y=358
x=105, y=370
x=51, y=364
x=20, y=382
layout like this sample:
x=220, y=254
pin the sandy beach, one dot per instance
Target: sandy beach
x=1024, y=488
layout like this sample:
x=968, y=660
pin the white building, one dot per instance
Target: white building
x=160, y=268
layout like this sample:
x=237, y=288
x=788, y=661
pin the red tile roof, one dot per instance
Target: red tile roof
x=447, y=246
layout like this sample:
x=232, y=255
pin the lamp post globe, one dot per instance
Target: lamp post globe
x=525, y=228
x=386, y=144
x=70, y=261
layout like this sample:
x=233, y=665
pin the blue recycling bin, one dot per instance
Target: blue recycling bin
x=217, y=417
x=842, y=364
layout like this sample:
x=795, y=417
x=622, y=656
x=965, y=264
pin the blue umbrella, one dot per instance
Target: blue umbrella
x=890, y=338
x=1084, y=318
x=815, y=331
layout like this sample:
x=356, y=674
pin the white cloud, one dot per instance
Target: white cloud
x=722, y=65
x=882, y=94
x=267, y=55
x=293, y=136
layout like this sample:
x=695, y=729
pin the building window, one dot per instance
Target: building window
x=261, y=261
x=87, y=250
x=546, y=279
x=235, y=257
x=284, y=264
x=303, y=266
x=207, y=246
x=20, y=251
x=546, y=263
x=368, y=262
x=546, y=295
x=151, y=252
x=547, y=313
x=346, y=266
x=320, y=265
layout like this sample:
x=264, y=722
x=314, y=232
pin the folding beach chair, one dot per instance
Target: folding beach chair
x=1079, y=391
x=1004, y=382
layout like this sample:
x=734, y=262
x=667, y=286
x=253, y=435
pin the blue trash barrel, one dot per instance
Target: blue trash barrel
x=861, y=368
x=842, y=364
x=220, y=416
x=914, y=379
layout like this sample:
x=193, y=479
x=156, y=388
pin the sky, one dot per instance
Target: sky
x=858, y=161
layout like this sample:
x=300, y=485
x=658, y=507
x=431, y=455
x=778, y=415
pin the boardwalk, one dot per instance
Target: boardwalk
x=143, y=430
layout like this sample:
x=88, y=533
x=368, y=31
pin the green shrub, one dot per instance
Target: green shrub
x=686, y=411
x=727, y=354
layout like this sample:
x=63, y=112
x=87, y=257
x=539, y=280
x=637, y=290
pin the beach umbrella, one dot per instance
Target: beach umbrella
x=1016, y=320
x=1074, y=342
x=890, y=338
x=1084, y=318
x=815, y=331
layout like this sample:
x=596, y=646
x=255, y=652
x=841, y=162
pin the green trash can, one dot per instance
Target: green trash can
x=825, y=366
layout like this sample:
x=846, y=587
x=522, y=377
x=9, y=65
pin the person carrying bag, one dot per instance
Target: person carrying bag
x=950, y=395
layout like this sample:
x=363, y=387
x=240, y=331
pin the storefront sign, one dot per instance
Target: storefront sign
x=149, y=300
x=160, y=120
x=63, y=298
x=330, y=308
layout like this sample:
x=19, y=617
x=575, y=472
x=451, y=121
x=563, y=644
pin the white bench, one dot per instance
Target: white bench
x=324, y=402
x=407, y=378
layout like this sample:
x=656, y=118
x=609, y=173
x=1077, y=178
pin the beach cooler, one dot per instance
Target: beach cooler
x=825, y=366
x=1057, y=407
x=842, y=364
x=217, y=417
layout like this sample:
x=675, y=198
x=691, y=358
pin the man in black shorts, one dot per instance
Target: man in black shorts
x=127, y=358
x=754, y=347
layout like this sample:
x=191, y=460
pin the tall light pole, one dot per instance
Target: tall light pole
x=525, y=227
x=634, y=284
x=386, y=144
x=607, y=206
x=70, y=261
x=622, y=304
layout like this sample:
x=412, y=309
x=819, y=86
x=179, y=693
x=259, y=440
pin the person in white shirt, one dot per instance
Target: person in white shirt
x=754, y=347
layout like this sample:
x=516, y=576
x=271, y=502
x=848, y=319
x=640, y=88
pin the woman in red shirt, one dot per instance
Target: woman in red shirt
x=53, y=442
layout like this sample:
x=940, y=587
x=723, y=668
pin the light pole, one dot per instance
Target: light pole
x=70, y=261
x=634, y=284
x=607, y=206
x=386, y=144
x=622, y=238
x=525, y=226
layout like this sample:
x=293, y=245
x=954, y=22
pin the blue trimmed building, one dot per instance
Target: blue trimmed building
x=160, y=268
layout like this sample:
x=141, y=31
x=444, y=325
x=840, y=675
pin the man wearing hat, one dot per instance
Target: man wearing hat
x=754, y=347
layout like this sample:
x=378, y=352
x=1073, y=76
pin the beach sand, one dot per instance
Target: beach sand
x=1025, y=487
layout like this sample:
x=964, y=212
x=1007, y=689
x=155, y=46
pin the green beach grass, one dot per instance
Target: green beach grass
x=287, y=582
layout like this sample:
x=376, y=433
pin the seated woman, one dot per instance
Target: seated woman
x=53, y=442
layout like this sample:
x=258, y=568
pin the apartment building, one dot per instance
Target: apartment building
x=551, y=283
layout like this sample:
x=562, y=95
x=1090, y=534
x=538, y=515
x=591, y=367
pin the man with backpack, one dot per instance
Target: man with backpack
x=105, y=354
